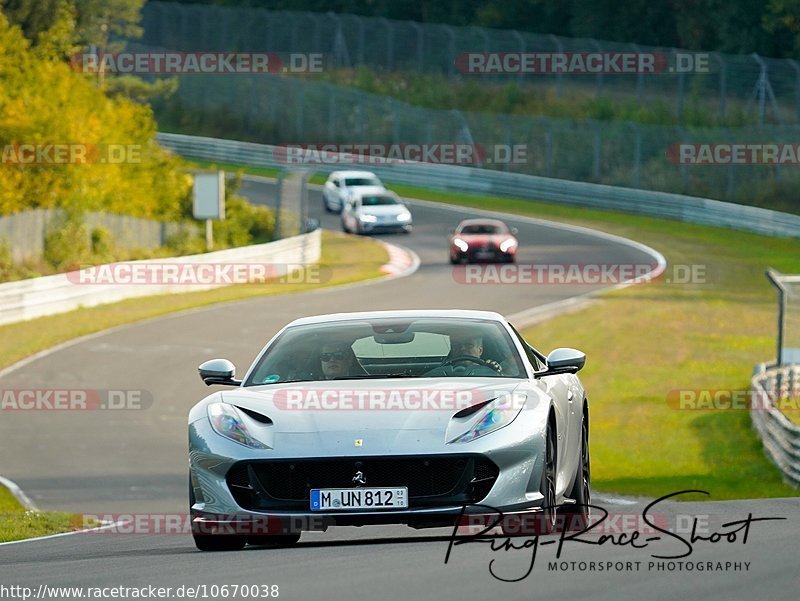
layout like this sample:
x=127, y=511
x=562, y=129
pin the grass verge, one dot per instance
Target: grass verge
x=17, y=523
x=645, y=341
x=345, y=259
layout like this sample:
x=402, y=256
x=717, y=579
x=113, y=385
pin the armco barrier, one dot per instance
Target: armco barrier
x=457, y=178
x=59, y=293
x=781, y=438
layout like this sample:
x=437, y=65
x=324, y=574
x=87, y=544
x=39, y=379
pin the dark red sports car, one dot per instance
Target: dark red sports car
x=483, y=240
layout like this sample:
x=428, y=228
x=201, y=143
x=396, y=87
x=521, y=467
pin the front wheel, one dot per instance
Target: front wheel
x=219, y=542
x=214, y=542
x=577, y=515
x=548, y=484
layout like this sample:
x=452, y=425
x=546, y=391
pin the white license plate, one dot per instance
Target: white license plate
x=336, y=499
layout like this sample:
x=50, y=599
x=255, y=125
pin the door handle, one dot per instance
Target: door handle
x=569, y=395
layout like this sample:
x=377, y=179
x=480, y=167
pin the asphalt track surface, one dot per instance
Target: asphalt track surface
x=135, y=461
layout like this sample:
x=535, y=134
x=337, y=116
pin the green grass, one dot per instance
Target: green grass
x=345, y=259
x=646, y=340
x=17, y=523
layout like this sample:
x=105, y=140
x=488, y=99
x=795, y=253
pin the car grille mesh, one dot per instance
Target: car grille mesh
x=448, y=479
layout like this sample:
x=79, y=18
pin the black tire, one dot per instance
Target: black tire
x=577, y=516
x=548, y=484
x=219, y=542
x=274, y=540
x=212, y=542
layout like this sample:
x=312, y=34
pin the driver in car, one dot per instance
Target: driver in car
x=465, y=358
x=339, y=361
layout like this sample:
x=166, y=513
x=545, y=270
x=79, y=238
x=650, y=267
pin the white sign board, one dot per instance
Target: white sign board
x=209, y=195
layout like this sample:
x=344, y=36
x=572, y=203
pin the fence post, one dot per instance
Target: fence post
x=451, y=50
x=521, y=40
x=723, y=84
x=637, y=155
x=596, y=151
x=681, y=87
x=599, y=78
x=639, y=78
x=418, y=28
x=332, y=113
x=548, y=149
x=389, y=42
x=560, y=49
x=299, y=120
x=796, y=68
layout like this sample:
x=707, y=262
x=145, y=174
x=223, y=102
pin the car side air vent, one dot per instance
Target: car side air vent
x=471, y=410
x=256, y=416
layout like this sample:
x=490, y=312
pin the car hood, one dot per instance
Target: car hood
x=483, y=238
x=383, y=210
x=327, y=414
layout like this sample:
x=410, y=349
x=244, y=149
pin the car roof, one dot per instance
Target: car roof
x=353, y=174
x=409, y=314
x=479, y=221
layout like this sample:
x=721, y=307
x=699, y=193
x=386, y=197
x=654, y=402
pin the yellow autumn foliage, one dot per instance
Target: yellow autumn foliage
x=44, y=102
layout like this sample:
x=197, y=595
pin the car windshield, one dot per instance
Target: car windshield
x=483, y=228
x=375, y=201
x=362, y=181
x=385, y=347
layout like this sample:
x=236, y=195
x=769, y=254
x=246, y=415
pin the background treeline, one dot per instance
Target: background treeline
x=44, y=101
x=769, y=27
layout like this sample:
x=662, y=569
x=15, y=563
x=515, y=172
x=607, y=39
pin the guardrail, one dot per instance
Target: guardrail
x=781, y=437
x=37, y=297
x=458, y=178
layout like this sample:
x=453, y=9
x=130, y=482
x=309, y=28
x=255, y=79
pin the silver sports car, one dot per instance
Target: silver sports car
x=425, y=418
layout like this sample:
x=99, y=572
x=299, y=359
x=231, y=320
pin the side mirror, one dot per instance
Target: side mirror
x=565, y=360
x=312, y=225
x=218, y=371
x=514, y=231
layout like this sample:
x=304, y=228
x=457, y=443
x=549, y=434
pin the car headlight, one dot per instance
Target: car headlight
x=368, y=218
x=404, y=216
x=227, y=422
x=461, y=244
x=497, y=414
x=508, y=244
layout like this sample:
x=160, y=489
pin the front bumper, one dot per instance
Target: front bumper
x=482, y=255
x=384, y=227
x=501, y=470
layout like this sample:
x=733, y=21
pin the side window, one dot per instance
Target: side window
x=535, y=361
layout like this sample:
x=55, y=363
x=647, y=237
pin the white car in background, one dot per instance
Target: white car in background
x=341, y=184
x=372, y=210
